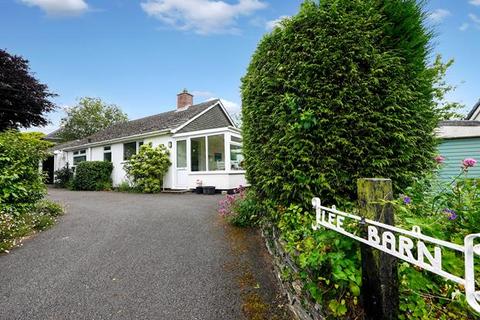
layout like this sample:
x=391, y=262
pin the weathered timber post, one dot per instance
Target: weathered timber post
x=379, y=270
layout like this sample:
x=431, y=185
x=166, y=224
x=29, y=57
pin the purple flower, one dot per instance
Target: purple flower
x=439, y=159
x=407, y=200
x=451, y=214
x=469, y=162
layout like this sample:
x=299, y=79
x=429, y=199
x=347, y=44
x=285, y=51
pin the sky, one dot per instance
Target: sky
x=138, y=54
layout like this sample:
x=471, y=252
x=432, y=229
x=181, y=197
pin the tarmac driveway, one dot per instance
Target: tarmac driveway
x=123, y=256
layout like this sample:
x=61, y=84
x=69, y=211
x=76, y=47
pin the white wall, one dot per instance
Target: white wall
x=165, y=139
x=446, y=132
x=224, y=181
x=118, y=173
x=227, y=179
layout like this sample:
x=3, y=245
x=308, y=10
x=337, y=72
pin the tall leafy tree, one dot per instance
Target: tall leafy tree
x=24, y=101
x=89, y=116
x=340, y=91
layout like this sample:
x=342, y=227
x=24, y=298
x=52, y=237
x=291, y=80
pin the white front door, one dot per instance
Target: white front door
x=181, y=170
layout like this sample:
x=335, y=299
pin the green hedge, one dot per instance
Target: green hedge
x=338, y=92
x=21, y=182
x=93, y=176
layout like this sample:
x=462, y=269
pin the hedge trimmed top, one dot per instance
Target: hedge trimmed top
x=338, y=92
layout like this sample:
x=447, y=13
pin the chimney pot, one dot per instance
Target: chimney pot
x=184, y=99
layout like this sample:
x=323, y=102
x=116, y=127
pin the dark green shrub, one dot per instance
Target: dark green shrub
x=21, y=183
x=64, y=177
x=93, y=176
x=338, y=92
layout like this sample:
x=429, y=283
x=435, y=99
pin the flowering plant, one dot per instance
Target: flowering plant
x=468, y=163
x=239, y=208
x=446, y=210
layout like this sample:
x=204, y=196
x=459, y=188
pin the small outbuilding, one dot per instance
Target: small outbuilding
x=460, y=140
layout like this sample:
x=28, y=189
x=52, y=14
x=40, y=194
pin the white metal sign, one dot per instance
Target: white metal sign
x=410, y=246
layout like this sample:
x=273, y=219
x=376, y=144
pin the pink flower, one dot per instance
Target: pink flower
x=469, y=162
x=439, y=159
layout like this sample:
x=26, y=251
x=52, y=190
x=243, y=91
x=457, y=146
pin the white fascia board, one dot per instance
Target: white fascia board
x=200, y=132
x=118, y=140
x=233, y=130
x=228, y=114
x=451, y=132
x=475, y=114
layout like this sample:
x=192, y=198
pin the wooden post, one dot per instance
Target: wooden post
x=379, y=270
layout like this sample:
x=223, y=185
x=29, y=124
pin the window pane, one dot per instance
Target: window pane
x=236, y=157
x=78, y=159
x=107, y=156
x=216, y=153
x=129, y=149
x=182, y=154
x=107, y=148
x=198, y=154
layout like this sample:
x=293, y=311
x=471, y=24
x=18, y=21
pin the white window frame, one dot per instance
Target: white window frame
x=78, y=154
x=138, y=144
x=226, y=149
x=107, y=151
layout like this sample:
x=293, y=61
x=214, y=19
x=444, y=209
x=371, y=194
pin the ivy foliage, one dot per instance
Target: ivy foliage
x=339, y=92
x=21, y=182
x=148, y=168
x=93, y=176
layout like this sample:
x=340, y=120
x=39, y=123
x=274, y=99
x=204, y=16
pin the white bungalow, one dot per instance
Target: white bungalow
x=204, y=142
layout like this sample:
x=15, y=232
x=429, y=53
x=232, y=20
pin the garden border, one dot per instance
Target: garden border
x=300, y=303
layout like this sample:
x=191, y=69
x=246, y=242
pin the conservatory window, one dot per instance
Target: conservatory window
x=216, y=153
x=236, y=157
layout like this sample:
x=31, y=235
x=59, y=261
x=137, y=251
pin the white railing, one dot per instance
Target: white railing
x=382, y=237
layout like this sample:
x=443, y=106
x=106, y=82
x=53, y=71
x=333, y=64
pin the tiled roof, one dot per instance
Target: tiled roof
x=53, y=136
x=163, y=121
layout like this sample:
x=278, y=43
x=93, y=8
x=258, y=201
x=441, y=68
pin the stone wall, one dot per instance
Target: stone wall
x=300, y=302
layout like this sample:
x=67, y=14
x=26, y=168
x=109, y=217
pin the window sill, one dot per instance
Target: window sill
x=231, y=172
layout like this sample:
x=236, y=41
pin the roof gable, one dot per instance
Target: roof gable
x=211, y=119
x=474, y=113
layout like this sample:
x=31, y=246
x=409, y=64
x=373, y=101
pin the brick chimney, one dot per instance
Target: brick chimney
x=184, y=99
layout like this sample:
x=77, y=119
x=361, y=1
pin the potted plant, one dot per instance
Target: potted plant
x=199, y=188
